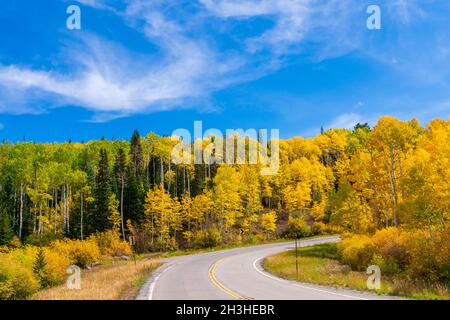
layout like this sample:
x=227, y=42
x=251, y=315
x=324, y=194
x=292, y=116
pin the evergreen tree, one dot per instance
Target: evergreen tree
x=39, y=269
x=6, y=233
x=136, y=155
x=134, y=193
x=119, y=175
x=99, y=220
x=133, y=197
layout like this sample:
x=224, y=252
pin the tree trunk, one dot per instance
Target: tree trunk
x=55, y=194
x=184, y=181
x=188, y=183
x=69, y=196
x=21, y=211
x=162, y=170
x=121, y=205
x=81, y=215
x=394, y=178
x=170, y=178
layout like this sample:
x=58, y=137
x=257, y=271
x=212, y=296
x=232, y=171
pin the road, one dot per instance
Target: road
x=237, y=274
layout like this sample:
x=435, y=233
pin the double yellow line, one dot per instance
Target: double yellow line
x=217, y=283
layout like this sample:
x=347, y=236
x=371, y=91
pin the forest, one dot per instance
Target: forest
x=366, y=184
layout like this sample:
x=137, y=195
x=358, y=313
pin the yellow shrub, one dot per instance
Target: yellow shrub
x=423, y=262
x=298, y=226
x=207, y=239
x=4, y=249
x=390, y=243
x=110, y=244
x=25, y=256
x=442, y=246
x=81, y=253
x=318, y=228
x=56, y=266
x=357, y=251
x=17, y=281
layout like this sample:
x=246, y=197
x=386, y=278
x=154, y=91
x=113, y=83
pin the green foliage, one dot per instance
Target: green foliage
x=357, y=251
x=81, y=253
x=298, y=227
x=207, y=239
x=110, y=244
x=99, y=220
x=6, y=233
x=17, y=281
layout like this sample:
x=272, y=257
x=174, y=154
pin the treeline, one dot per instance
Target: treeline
x=361, y=180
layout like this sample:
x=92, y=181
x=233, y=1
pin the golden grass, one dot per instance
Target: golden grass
x=114, y=281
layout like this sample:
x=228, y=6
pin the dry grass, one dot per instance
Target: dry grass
x=114, y=281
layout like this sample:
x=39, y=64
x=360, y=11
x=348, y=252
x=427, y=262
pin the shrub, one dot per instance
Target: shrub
x=423, y=261
x=387, y=265
x=81, y=253
x=15, y=242
x=56, y=266
x=357, y=251
x=298, y=226
x=318, y=228
x=24, y=256
x=4, y=249
x=110, y=244
x=17, y=281
x=442, y=248
x=390, y=244
x=207, y=239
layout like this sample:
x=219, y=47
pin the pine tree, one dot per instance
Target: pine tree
x=133, y=198
x=39, y=269
x=136, y=154
x=6, y=233
x=99, y=221
x=134, y=192
x=119, y=173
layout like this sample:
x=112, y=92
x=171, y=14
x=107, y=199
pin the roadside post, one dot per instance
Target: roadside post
x=296, y=256
x=133, y=247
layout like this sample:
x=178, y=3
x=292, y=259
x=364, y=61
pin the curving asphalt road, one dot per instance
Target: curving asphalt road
x=237, y=274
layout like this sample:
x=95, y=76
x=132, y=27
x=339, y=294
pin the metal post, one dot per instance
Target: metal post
x=296, y=257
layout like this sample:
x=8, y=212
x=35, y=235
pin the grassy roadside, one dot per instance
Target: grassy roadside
x=112, y=280
x=319, y=265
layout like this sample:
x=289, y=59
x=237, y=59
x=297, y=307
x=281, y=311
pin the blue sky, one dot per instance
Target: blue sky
x=293, y=65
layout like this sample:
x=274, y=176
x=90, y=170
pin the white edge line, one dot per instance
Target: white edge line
x=299, y=285
x=153, y=284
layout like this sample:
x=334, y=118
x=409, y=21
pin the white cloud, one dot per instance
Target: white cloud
x=108, y=78
x=294, y=20
x=113, y=81
x=345, y=121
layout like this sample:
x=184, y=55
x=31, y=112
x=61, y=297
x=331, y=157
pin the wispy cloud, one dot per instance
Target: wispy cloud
x=345, y=121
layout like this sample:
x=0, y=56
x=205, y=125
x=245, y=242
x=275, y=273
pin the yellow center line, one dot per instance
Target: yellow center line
x=217, y=283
